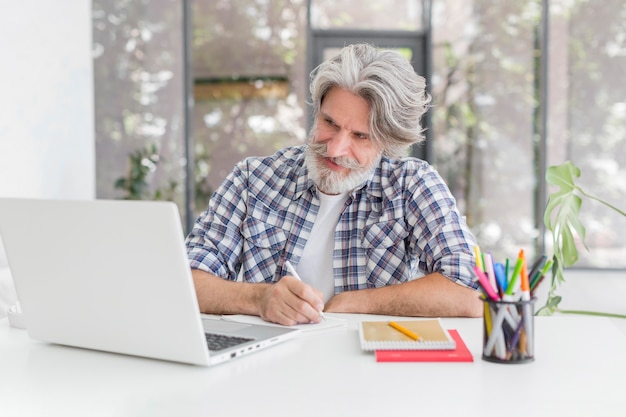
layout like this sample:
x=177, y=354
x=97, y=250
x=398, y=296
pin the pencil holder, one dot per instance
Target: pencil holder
x=508, y=331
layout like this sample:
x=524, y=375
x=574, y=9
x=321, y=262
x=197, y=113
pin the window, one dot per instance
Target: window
x=251, y=60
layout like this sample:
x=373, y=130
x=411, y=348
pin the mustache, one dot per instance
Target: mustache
x=320, y=149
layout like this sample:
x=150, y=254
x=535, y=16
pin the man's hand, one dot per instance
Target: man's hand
x=287, y=302
x=290, y=302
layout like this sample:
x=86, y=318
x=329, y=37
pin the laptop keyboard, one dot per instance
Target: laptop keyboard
x=220, y=341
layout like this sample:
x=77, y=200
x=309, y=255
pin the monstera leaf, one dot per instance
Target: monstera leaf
x=561, y=214
x=561, y=218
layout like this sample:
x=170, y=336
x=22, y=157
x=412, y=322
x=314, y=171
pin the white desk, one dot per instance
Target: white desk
x=575, y=374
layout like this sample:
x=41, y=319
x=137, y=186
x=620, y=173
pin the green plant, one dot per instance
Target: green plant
x=141, y=165
x=561, y=217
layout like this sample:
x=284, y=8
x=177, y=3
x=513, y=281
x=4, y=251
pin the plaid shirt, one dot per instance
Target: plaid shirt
x=401, y=224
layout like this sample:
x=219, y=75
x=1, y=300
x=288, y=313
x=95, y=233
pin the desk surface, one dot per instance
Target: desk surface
x=579, y=370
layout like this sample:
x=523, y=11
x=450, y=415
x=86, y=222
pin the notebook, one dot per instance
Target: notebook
x=380, y=335
x=327, y=322
x=114, y=276
x=460, y=354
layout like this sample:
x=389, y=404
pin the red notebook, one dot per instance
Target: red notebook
x=460, y=354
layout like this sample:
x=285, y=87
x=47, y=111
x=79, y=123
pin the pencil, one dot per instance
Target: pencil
x=404, y=330
x=294, y=274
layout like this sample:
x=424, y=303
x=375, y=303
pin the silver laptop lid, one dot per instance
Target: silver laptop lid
x=105, y=275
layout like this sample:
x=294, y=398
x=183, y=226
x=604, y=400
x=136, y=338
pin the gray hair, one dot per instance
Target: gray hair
x=386, y=80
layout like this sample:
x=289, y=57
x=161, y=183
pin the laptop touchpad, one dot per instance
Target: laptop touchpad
x=222, y=326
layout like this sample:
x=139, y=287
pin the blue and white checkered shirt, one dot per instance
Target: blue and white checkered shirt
x=401, y=224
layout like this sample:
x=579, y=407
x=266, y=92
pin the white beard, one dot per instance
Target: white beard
x=332, y=182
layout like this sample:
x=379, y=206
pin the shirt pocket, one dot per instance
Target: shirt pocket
x=263, y=235
x=385, y=234
x=384, y=245
x=263, y=247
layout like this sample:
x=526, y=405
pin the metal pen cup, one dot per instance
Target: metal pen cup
x=508, y=331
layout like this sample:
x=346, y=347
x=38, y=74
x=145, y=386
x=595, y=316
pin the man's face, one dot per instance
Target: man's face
x=341, y=155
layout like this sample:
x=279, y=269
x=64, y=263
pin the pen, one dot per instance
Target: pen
x=496, y=336
x=540, y=275
x=506, y=271
x=479, y=258
x=525, y=286
x=500, y=272
x=535, y=285
x=535, y=270
x=547, y=266
x=488, y=268
x=294, y=274
x=483, y=282
x=528, y=324
x=516, y=271
x=404, y=330
x=516, y=336
x=510, y=288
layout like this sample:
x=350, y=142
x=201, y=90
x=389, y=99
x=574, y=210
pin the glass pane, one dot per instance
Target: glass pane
x=483, y=117
x=249, y=62
x=138, y=71
x=589, y=122
x=367, y=14
x=246, y=38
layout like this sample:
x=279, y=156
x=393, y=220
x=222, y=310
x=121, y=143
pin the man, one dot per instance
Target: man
x=367, y=230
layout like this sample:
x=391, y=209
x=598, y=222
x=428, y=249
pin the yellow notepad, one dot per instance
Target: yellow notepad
x=379, y=335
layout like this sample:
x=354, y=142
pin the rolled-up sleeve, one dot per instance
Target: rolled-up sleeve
x=215, y=242
x=440, y=239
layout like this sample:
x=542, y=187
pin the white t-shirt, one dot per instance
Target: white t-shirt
x=316, y=265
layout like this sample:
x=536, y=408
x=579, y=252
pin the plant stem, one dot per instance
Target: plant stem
x=592, y=313
x=601, y=201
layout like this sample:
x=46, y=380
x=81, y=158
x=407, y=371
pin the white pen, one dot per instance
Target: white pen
x=294, y=274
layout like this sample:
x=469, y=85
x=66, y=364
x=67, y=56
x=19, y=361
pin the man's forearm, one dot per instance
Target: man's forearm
x=430, y=296
x=220, y=296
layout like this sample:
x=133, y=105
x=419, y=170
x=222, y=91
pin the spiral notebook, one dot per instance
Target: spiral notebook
x=380, y=335
x=460, y=354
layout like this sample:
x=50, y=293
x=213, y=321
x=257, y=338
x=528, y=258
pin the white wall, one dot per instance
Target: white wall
x=46, y=102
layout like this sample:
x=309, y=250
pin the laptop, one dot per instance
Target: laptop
x=113, y=275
